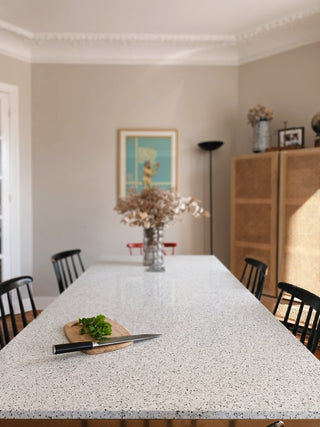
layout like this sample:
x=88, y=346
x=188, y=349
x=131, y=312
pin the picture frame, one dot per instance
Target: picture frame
x=291, y=137
x=147, y=158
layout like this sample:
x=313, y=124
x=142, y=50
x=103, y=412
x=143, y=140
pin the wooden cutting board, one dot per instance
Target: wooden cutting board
x=72, y=332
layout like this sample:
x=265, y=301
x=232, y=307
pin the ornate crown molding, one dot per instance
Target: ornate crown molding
x=16, y=31
x=115, y=37
x=136, y=38
x=206, y=49
x=278, y=24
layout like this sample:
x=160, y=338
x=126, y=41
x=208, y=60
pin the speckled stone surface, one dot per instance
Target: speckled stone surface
x=221, y=353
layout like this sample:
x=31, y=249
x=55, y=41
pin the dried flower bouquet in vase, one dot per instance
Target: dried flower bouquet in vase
x=152, y=209
x=259, y=118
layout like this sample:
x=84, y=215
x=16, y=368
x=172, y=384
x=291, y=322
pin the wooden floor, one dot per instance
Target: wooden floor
x=154, y=423
x=19, y=322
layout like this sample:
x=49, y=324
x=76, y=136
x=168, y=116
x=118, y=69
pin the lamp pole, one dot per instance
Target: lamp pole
x=210, y=146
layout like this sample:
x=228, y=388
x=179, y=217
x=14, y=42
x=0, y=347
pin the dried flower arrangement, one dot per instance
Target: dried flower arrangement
x=259, y=112
x=155, y=207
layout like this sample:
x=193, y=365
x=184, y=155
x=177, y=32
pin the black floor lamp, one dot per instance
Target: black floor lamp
x=210, y=146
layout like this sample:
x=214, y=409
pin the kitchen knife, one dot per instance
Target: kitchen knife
x=89, y=345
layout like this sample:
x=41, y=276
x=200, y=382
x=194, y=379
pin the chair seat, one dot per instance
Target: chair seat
x=132, y=246
x=171, y=245
x=139, y=246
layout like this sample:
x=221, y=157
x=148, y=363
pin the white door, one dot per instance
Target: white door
x=9, y=173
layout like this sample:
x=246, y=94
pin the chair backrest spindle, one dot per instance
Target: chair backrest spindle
x=5, y=323
x=23, y=314
x=33, y=306
x=67, y=270
x=74, y=267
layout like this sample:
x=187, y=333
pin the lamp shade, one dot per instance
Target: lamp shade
x=210, y=145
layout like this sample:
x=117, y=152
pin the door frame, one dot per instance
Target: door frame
x=13, y=193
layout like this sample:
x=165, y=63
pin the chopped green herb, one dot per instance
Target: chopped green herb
x=97, y=327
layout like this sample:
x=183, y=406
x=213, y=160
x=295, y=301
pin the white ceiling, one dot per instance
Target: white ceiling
x=148, y=16
x=155, y=31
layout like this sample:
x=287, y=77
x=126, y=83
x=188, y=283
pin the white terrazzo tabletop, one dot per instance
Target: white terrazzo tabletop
x=222, y=354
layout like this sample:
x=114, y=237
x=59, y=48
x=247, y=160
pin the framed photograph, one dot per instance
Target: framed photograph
x=291, y=137
x=147, y=158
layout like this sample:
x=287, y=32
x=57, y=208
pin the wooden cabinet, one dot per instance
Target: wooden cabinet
x=275, y=216
x=254, y=204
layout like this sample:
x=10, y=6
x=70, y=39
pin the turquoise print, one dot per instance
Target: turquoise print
x=148, y=162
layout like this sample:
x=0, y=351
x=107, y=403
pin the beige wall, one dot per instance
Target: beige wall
x=289, y=84
x=77, y=110
x=18, y=73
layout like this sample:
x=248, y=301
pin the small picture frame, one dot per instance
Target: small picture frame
x=291, y=137
x=147, y=158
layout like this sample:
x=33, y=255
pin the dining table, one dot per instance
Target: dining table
x=221, y=353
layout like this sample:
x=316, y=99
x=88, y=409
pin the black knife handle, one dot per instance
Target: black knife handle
x=73, y=346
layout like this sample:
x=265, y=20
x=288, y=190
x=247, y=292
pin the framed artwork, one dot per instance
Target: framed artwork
x=147, y=158
x=291, y=137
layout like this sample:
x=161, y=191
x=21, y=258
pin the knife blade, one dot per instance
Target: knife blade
x=89, y=345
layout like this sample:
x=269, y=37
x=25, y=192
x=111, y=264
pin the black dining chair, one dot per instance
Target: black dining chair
x=254, y=275
x=13, y=305
x=299, y=311
x=68, y=266
x=276, y=424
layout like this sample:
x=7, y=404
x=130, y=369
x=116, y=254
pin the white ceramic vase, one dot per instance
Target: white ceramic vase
x=261, y=136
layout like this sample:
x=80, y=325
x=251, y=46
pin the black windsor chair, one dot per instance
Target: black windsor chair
x=301, y=316
x=254, y=275
x=13, y=306
x=276, y=424
x=68, y=266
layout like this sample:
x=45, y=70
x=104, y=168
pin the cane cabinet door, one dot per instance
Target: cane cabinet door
x=299, y=218
x=254, y=201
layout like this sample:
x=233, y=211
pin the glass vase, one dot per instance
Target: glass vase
x=153, y=248
x=261, y=136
